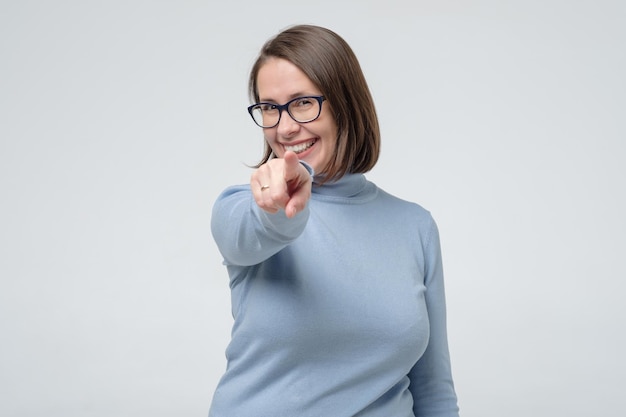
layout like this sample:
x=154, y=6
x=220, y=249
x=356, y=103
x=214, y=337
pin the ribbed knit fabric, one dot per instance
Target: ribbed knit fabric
x=338, y=312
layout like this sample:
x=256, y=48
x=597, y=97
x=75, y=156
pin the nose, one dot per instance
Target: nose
x=287, y=127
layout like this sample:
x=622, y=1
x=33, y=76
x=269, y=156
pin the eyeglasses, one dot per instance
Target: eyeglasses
x=301, y=109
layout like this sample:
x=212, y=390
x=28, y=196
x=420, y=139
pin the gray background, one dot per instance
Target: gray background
x=121, y=121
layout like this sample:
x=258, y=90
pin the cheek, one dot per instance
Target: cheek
x=270, y=138
x=330, y=133
x=330, y=128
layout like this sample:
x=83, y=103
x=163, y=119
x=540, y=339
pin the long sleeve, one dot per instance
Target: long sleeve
x=431, y=378
x=338, y=311
x=247, y=235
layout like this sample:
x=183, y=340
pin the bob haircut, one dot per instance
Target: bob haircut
x=329, y=62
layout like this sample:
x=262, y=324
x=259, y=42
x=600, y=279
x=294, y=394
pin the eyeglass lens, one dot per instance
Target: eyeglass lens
x=301, y=109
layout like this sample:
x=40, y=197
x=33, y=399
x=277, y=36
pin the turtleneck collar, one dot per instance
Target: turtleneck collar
x=353, y=187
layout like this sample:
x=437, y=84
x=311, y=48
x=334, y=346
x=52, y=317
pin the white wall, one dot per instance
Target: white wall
x=121, y=121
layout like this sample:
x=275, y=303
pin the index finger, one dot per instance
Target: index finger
x=292, y=165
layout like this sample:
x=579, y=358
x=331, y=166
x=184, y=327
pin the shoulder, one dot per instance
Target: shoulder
x=405, y=206
x=411, y=215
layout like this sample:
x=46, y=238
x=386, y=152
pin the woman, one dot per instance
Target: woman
x=337, y=286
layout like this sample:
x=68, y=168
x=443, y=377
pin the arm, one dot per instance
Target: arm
x=431, y=378
x=250, y=224
x=247, y=235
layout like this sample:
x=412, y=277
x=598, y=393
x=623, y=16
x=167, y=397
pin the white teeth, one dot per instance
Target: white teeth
x=299, y=148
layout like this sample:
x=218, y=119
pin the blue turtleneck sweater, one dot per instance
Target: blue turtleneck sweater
x=338, y=312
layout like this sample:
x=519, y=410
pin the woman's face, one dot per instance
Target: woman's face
x=279, y=81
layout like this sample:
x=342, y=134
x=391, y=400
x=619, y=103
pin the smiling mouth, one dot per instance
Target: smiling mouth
x=301, y=147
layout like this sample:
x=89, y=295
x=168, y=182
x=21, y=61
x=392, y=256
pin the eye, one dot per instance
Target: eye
x=303, y=102
x=266, y=107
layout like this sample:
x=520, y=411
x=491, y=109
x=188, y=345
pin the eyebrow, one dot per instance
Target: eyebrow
x=291, y=97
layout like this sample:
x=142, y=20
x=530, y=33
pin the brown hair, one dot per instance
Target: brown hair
x=329, y=62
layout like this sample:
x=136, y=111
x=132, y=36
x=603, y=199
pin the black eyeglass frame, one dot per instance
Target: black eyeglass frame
x=281, y=107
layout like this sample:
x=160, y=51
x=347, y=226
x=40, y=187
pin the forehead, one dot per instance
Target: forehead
x=280, y=80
